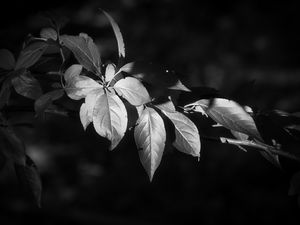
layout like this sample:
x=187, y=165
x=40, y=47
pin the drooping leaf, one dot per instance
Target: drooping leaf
x=48, y=33
x=72, y=71
x=230, y=115
x=7, y=59
x=12, y=146
x=132, y=90
x=78, y=87
x=29, y=179
x=150, y=138
x=31, y=54
x=43, y=102
x=110, y=117
x=109, y=72
x=84, y=50
x=187, y=136
x=118, y=34
x=27, y=86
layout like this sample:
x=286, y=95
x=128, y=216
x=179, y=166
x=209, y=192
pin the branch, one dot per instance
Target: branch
x=256, y=145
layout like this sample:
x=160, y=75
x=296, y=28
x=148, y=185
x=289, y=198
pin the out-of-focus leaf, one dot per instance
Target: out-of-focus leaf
x=110, y=117
x=295, y=184
x=230, y=115
x=78, y=87
x=48, y=33
x=109, y=72
x=7, y=59
x=43, y=102
x=29, y=179
x=2, y=161
x=12, y=146
x=272, y=158
x=72, y=71
x=154, y=75
x=132, y=90
x=31, y=54
x=118, y=34
x=187, y=136
x=27, y=86
x=84, y=50
x=150, y=138
x=5, y=92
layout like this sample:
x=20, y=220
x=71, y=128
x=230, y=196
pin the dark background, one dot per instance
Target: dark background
x=225, y=45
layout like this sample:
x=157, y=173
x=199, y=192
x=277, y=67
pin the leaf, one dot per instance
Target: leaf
x=72, y=71
x=80, y=86
x=84, y=116
x=43, y=102
x=239, y=135
x=110, y=118
x=230, y=115
x=109, y=72
x=12, y=146
x=27, y=86
x=48, y=33
x=167, y=106
x=150, y=138
x=133, y=91
x=84, y=50
x=30, y=180
x=7, y=60
x=5, y=92
x=118, y=34
x=187, y=136
x=31, y=54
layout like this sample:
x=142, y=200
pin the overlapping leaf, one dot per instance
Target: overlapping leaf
x=31, y=54
x=84, y=50
x=150, y=138
x=110, y=117
x=132, y=90
x=229, y=114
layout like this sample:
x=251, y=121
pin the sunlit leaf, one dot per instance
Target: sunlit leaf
x=118, y=34
x=72, y=71
x=110, y=118
x=27, y=86
x=48, y=33
x=150, y=138
x=187, y=136
x=167, y=106
x=31, y=54
x=7, y=60
x=30, y=180
x=230, y=115
x=84, y=116
x=43, y=102
x=80, y=86
x=84, y=50
x=109, y=72
x=132, y=90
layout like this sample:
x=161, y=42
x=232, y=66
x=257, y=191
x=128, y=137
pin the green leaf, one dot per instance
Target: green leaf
x=30, y=180
x=72, y=71
x=132, y=90
x=31, y=54
x=229, y=114
x=150, y=138
x=118, y=34
x=43, y=102
x=7, y=60
x=84, y=50
x=48, y=33
x=80, y=86
x=110, y=117
x=27, y=86
x=187, y=136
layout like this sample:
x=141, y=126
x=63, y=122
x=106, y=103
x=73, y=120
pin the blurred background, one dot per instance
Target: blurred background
x=248, y=50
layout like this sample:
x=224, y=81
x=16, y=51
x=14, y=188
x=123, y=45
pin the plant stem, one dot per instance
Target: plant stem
x=256, y=145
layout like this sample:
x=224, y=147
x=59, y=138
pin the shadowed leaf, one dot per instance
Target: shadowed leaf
x=7, y=60
x=27, y=86
x=43, y=102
